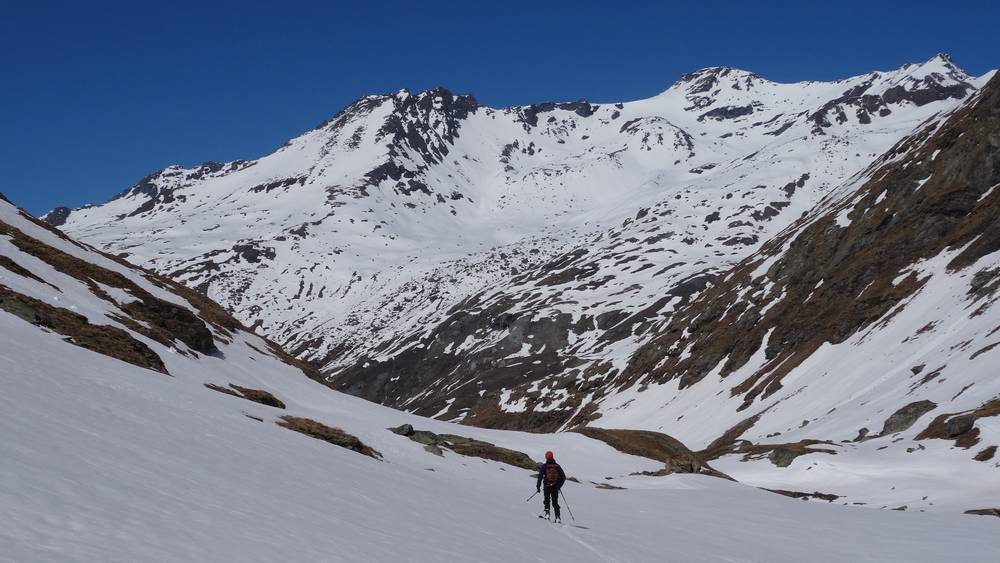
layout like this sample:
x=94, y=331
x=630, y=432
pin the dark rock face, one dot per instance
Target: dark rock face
x=905, y=417
x=865, y=106
x=701, y=85
x=982, y=282
x=727, y=112
x=412, y=117
x=425, y=125
x=403, y=430
x=783, y=457
x=57, y=216
x=254, y=252
x=931, y=92
x=529, y=114
x=959, y=425
x=283, y=184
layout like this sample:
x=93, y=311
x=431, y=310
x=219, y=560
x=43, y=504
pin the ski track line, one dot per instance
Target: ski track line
x=565, y=530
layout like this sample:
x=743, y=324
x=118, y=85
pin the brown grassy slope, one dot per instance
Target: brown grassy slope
x=255, y=395
x=108, y=340
x=960, y=427
x=167, y=322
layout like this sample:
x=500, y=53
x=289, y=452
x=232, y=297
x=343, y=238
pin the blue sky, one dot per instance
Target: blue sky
x=96, y=95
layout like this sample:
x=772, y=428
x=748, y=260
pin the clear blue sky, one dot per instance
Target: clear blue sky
x=96, y=95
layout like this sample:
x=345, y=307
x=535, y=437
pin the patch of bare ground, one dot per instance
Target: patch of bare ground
x=255, y=395
x=320, y=431
x=986, y=454
x=608, y=487
x=6, y=262
x=653, y=445
x=960, y=427
x=727, y=443
x=983, y=350
x=782, y=455
x=805, y=496
x=434, y=443
x=108, y=340
x=985, y=512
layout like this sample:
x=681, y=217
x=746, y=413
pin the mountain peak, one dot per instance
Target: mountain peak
x=940, y=64
x=704, y=79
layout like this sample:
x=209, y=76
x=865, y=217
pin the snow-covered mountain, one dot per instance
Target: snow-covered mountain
x=352, y=239
x=140, y=422
x=634, y=265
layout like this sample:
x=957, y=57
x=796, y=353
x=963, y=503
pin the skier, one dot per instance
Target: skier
x=553, y=477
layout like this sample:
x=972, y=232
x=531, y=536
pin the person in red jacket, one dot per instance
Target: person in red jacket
x=552, y=476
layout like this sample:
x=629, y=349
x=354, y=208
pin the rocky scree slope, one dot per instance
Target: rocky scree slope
x=518, y=256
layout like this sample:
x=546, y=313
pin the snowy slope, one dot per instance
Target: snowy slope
x=104, y=460
x=859, y=347
x=349, y=242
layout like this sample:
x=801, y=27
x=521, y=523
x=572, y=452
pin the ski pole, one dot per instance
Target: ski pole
x=532, y=496
x=567, y=505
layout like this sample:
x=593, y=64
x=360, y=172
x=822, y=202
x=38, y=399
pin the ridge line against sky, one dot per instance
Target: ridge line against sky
x=102, y=94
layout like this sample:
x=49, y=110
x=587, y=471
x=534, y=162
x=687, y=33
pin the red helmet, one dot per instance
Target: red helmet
x=548, y=455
